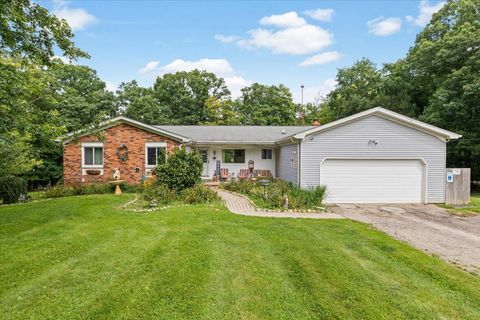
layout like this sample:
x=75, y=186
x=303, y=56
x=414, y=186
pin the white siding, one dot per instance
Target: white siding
x=394, y=141
x=285, y=170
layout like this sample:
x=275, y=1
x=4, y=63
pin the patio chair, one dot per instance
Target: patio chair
x=243, y=174
x=263, y=173
x=224, y=175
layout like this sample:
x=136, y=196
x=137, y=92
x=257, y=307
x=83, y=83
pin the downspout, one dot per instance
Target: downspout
x=299, y=149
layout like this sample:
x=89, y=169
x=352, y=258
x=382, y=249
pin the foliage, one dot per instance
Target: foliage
x=181, y=96
x=199, y=194
x=159, y=192
x=16, y=154
x=139, y=103
x=30, y=31
x=82, y=98
x=266, y=105
x=93, y=188
x=181, y=170
x=12, y=188
x=279, y=194
x=220, y=112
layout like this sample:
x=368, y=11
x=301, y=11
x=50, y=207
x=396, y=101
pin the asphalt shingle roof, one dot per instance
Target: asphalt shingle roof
x=257, y=134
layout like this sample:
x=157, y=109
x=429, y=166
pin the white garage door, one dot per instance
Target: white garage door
x=372, y=181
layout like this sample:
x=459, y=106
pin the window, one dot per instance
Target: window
x=93, y=155
x=233, y=155
x=156, y=155
x=293, y=159
x=266, y=154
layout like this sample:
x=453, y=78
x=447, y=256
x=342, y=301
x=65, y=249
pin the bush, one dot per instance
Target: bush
x=94, y=188
x=12, y=189
x=277, y=194
x=199, y=194
x=181, y=170
x=159, y=192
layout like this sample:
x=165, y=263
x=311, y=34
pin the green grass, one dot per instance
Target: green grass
x=83, y=258
x=472, y=208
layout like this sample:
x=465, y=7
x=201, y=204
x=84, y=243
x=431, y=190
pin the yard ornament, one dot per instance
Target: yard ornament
x=116, y=174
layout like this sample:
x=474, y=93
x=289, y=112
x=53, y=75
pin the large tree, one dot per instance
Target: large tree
x=139, y=103
x=28, y=30
x=266, y=105
x=82, y=97
x=182, y=95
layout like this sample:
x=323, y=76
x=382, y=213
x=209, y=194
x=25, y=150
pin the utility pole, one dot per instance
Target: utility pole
x=301, y=106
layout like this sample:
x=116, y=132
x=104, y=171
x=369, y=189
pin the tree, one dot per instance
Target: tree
x=220, y=112
x=266, y=105
x=182, y=95
x=139, y=103
x=27, y=116
x=82, y=98
x=359, y=88
x=28, y=30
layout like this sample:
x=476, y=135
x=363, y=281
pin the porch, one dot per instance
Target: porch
x=237, y=161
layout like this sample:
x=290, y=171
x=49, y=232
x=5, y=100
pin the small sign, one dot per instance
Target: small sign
x=456, y=172
x=450, y=177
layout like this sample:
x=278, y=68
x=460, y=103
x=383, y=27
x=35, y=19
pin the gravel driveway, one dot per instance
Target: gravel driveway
x=426, y=227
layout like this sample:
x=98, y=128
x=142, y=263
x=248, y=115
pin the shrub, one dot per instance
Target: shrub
x=306, y=198
x=199, y=194
x=12, y=189
x=241, y=186
x=159, y=192
x=58, y=191
x=94, y=188
x=277, y=194
x=181, y=170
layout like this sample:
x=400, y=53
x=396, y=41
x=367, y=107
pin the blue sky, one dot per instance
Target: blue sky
x=271, y=42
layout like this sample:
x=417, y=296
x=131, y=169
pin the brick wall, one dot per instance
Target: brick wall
x=112, y=138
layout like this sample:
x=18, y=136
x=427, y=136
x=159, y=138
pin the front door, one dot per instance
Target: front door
x=204, y=156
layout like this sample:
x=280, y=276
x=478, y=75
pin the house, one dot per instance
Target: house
x=376, y=156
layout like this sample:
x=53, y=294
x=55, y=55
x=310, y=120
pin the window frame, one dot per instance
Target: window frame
x=244, y=155
x=266, y=158
x=154, y=145
x=92, y=145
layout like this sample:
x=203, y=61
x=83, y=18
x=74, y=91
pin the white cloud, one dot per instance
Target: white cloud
x=314, y=92
x=426, y=12
x=226, y=39
x=149, y=67
x=77, y=18
x=384, y=26
x=218, y=66
x=324, y=15
x=291, y=35
x=321, y=58
x=286, y=20
x=300, y=40
x=235, y=84
x=110, y=86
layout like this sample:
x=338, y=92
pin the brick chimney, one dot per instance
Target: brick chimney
x=316, y=122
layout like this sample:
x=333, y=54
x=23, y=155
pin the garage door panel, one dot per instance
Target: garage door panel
x=372, y=181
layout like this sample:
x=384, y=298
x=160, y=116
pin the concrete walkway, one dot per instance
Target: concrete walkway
x=242, y=206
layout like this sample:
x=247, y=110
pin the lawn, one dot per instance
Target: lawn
x=82, y=257
x=472, y=208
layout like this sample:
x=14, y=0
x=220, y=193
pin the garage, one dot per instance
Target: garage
x=373, y=180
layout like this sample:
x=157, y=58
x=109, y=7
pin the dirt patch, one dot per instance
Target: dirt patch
x=426, y=227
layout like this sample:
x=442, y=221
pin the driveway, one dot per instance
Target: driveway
x=426, y=227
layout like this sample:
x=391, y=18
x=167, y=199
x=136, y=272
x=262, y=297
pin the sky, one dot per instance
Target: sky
x=270, y=42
